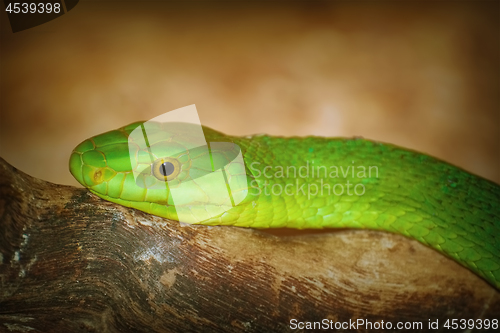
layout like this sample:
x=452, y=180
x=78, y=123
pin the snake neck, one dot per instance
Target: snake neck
x=328, y=183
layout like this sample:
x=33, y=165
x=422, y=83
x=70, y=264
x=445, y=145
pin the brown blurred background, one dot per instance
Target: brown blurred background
x=424, y=75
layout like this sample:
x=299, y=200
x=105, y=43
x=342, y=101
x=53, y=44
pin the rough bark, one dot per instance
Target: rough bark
x=71, y=262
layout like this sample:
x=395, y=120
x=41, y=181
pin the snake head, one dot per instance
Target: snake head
x=172, y=170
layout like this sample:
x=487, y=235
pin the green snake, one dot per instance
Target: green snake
x=310, y=182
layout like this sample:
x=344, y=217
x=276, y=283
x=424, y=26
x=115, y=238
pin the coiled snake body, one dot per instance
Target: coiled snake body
x=310, y=182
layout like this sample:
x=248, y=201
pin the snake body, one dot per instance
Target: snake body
x=310, y=182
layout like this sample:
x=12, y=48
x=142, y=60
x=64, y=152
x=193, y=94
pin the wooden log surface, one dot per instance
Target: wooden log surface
x=72, y=262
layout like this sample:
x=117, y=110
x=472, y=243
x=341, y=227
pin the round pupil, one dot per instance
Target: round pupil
x=167, y=168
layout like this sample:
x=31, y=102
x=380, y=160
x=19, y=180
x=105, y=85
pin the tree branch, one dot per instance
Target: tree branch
x=72, y=262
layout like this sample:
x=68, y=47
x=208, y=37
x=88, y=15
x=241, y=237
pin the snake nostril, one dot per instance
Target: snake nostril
x=97, y=176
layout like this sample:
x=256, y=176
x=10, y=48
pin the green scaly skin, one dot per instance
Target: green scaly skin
x=408, y=193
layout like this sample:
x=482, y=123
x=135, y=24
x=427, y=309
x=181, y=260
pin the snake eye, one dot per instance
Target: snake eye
x=166, y=168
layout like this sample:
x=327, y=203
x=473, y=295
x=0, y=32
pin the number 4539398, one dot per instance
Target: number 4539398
x=25, y=8
x=471, y=324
